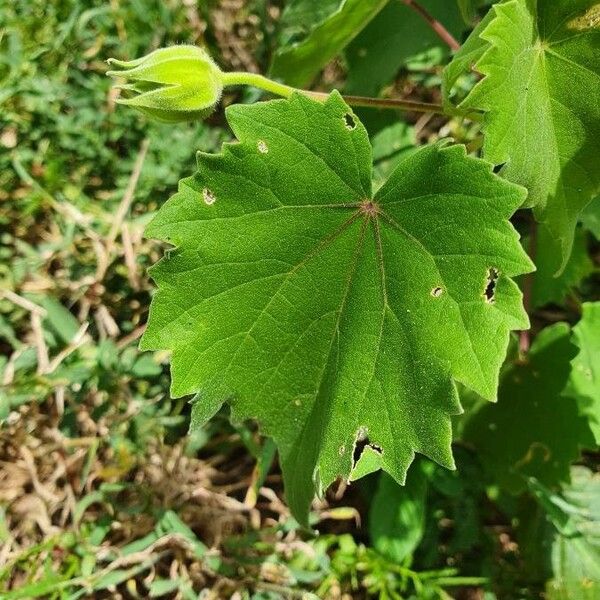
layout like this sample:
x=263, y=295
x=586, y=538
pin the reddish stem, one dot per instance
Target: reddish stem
x=439, y=29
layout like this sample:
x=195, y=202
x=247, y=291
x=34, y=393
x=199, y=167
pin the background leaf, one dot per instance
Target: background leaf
x=465, y=59
x=468, y=9
x=590, y=217
x=575, y=514
x=547, y=286
x=541, y=119
x=584, y=381
x=300, y=17
x=546, y=430
x=397, y=513
x=299, y=63
x=390, y=146
x=395, y=36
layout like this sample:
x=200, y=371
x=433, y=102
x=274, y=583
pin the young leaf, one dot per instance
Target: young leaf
x=546, y=430
x=299, y=63
x=584, y=382
x=540, y=95
x=324, y=311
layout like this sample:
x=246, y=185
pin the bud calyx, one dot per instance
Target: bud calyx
x=179, y=83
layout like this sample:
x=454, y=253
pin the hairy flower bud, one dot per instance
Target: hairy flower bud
x=179, y=83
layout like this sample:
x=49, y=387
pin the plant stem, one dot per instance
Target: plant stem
x=259, y=81
x=524, y=336
x=439, y=29
x=408, y=105
x=280, y=89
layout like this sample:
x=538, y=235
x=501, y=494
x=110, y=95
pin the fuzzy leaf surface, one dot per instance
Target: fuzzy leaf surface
x=329, y=313
x=541, y=97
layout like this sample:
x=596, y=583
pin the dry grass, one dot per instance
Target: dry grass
x=51, y=486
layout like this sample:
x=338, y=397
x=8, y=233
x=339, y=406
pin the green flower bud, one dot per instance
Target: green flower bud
x=179, y=83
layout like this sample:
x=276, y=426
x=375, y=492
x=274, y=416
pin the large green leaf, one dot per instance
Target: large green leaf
x=328, y=313
x=297, y=64
x=584, y=382
x=541, y=98
x=393, y=37
x=533, y=431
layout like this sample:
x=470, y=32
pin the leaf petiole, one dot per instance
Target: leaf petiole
x=280, y=89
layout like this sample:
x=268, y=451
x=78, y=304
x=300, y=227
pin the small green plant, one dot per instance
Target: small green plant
x=388, y=194
x=341, y=318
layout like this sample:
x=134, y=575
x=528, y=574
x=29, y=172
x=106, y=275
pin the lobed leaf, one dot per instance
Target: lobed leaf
x=328, y=313
x=541, y=98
